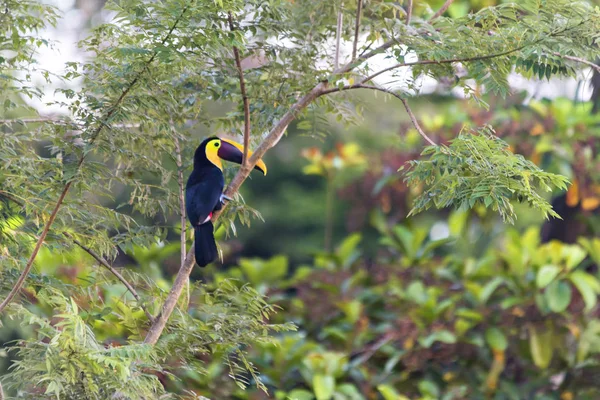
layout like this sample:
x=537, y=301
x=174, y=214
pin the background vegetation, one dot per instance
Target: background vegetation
x=334, y=292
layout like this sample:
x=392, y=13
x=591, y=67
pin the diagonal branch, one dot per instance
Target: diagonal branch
x=357, y=28
x=113, y=271
x=111, y=111
x=412, y=117
x=415, y=123
x=441, y=11
x=238, y=64
x=579, y=60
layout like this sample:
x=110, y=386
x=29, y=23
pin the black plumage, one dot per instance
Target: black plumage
x=204, y=189
x=203, y=196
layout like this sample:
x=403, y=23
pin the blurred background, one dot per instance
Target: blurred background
x=431, y=306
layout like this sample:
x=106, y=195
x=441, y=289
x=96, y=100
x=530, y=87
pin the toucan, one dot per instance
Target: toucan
x=204, y=191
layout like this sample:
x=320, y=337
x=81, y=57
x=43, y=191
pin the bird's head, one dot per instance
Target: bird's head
x=214, y=149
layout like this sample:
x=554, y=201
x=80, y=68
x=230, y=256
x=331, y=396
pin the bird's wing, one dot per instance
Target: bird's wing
x=201, y=199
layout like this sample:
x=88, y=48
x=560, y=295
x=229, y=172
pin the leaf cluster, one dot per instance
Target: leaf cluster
x=478, y=168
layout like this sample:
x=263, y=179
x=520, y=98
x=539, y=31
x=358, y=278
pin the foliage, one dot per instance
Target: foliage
x=478, y=168
x=105, y=179
x=436, y=327
x=65, y=358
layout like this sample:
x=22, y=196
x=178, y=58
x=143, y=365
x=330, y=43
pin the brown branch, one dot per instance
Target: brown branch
x=357, y=28
x=20, y=282
x=579, y=60
x=409, y=9
x=415, y=123
x=369, y=351
x=238, y=64
x=182, y=278
x=184, y=272
x=338, y=37
x=441, y=10
x=113, y=271
x=390, y=92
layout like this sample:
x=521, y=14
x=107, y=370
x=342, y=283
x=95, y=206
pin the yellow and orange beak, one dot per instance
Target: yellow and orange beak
x=234, y=152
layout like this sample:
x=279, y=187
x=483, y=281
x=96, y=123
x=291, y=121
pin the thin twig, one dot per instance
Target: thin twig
x=409, y=9
x=372, y=349
x=113, y=271
x=441, y=10
x=1, y=392
x=40, y=120
x=390, y=92
x=357, y=28
x=182, y=214
x=579, y=60
x=447, y=61
x=238, y=63
x=414, y=121
x=19, y=284
x=179, y=163
x=338, y=37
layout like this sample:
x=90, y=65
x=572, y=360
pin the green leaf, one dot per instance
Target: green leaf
x=300, y=394
x=558, y=296
x=546, y=274
x=574, y=255
x=489, y=289
x=496, y=339
x=588, y=286
x=443, y=336
x=389, y=393
x=323, y=386
x=540, y=345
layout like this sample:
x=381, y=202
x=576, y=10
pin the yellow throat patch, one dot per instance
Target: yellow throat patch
x=212, y=150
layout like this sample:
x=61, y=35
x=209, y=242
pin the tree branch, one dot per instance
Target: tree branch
x=338, y=37
x=238, y=64
x=415, y=123
x=357, y=28
x=113, y=271
x=390, y=92
x=579, y=60
x=441, y=10
x=20, y=282
x=182, y=278
x=409, y=9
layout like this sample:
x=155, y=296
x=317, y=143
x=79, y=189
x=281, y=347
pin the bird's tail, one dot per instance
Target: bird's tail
x=204, y=244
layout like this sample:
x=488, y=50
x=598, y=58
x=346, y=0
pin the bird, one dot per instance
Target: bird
x=204, y=191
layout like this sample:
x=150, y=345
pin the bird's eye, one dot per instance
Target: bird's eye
x=216, y=144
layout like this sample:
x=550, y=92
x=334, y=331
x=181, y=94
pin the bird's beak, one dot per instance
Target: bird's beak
x=234, y=152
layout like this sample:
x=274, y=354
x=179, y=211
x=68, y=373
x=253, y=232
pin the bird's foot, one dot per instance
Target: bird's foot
x=224, y=197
